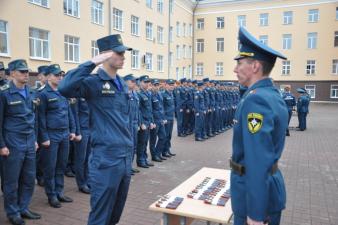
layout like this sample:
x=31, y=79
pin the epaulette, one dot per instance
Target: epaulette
x=41, y=88
x=4, y=87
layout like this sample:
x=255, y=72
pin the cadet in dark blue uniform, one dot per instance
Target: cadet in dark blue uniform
x=169, y=113
x=146, y=121
x=3, y=80
x=188, y=114
x=56, y=128
x=257, y=186
x=157, y=135
x=200, y=112
x=290, y=102
x=134, y=114
x=18, y=144
x=302, y=108
x=111, y=140
x=180, y=101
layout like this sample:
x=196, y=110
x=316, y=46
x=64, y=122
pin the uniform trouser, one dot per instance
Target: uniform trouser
x=199, y=125
x=289, y=119
x=71, y=157
x=18, y=173
x=1, y=176
x=222, y=119
x=142, y=142
x=272, y=220
x=157, y=140
x=207, y=122
x=168, y=132
x=81, y=153
x=39, y=171
x=179, y=115
x=109, y=180
x=302, y=120
x=215, y=121
x=54, y=162
x=187, y=126
x=134, y=131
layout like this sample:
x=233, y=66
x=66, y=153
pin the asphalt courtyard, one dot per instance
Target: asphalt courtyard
x=309, y=164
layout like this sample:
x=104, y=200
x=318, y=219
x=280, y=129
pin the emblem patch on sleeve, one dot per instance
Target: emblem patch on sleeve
x=255, y=122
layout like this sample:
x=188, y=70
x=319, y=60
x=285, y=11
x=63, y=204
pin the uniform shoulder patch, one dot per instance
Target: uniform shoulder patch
x=252, y=91
x=4, y=87
x=255, y=122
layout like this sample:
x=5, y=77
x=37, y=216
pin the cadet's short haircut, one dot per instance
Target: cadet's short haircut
x=266, y=66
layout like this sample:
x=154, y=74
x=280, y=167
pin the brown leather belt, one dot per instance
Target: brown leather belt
x=240, y=169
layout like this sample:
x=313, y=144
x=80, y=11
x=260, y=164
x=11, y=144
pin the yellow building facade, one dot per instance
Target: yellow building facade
x=179, y=38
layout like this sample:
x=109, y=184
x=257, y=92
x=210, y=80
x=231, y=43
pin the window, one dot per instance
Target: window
x=190, y=30
x=287, y=17
x=264, y=39
x=286, y=67
x=160, y=35
x=177, y=29
x=135, y=26
x=335, y=66
x=135, y=59
x=171, y=59
x=287, y=40
x=264, y=19
x=200, y=45
x=72, y=49
x=71, y=7
x=183, y=52
x=178, y=54
x=336, y=39
x=310, y=67
x=313, y=15
x=184, y=74
x=160, y=6
x=200, y=24
x=43, y=3
x=149, y=3
x=149, y=31
x=336, y=13
x=220, y=44
x=149, y=61
x=190, y=71
x=39, y=43
x=199, y=69
x=4, y=49
x=171, y=30
x=117, y=19
x=334, y=91
x=219, y=69
x=184, y=32
x=220, y=22
x=177, y=73
x=160, y=63
x=311, y=89
x=312, y=40
x=171, y=6
x=190, y=52
x=95, y=49
x=241, y=20
x=97, y=12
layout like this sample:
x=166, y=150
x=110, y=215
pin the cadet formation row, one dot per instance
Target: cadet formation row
x=59, y=128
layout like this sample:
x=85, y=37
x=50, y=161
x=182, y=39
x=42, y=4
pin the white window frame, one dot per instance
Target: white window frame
x=160, y=35
x=264, y=39
x=160, y=63
x=336, y=13
x=171, y=6
x=286, y=67
x=200, y=24
x=135, y=59
x=310, y=67
x=335, y=40
x=335, y=67
x=241, y=20
x=160, y=6
x=220, y=22
x=178, y=52
x=149, y=61
x=199, y=69
x=312, y=39
x=311, y=89
x=200, y=45
x=287, y=17
x=68, y=45
x=6, y=34
x=94, y=49
x=117, y=19
x=334, y=87
x=190, y=30
x=184, y=52
x=184, y=72
x=73, y=13
x=149, y=4
x=177, y=73
x=171, y=34
x=149, y=31
x=190, y=52
x=184, y=30
x=219, y=68
x=313, y=15
x=287, y=41
x=36, y=41
x=97, y=12
x=39, y=3
x=178, y=29
x=171, y=59
x=219, y=44
x=264, y=19
x=190, y=71
x=135, y=25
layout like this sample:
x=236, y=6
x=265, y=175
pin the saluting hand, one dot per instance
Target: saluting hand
x=46, y=144
x=4, y=151
x=101, y=58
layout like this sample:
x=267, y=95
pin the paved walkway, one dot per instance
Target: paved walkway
x=309, y=165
